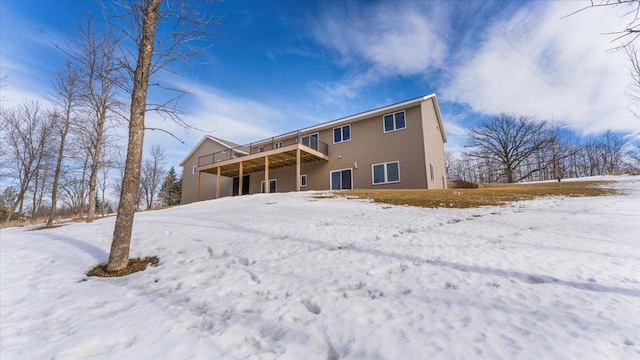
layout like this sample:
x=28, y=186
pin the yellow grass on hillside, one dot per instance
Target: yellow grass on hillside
x=486, y=195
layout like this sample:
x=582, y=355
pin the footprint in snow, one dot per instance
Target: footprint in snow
x=253, y=279
x=311, y=307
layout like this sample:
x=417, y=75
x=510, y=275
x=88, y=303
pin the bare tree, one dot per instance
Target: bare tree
x=26, y=133
x=630, y=22
x=188, y=27
x=507, y=141
x=65, y=94
x=96, y=55
x=152, y=173
x=633, y=90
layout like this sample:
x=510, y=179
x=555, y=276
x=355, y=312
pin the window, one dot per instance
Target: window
x=272, y=186
x=303, y=180
x=341, y=134
x=277, y=145
x=341, y=179
x=385, y=173
x=393, y=122
x=311, y=141
x=260, y=148
x=194, y=170
x=433, y=175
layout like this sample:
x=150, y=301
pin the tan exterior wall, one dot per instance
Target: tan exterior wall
x=369, y=145
x=433, y=147
x=207, y=181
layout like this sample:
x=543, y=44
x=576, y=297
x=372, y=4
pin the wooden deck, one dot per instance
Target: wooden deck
x=291, y=155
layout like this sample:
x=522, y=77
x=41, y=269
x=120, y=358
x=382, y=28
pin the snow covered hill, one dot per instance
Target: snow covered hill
x=294, y=277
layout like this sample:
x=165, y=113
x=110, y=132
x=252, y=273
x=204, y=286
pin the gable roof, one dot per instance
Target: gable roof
x=227, y=144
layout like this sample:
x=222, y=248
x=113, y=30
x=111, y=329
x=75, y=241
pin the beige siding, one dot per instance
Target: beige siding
x=369, y=145
x=207, y=181
x=433, y=146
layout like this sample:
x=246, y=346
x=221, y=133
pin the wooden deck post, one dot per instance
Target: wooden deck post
x=266, y=174
x=240, y=176
x=218, y=184
x=298, y=168
x=198, y=187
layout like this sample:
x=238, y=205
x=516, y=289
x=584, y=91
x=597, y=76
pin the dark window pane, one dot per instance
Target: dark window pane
x=335, y=180
x=388, y=123
x=262, y=187
x=393, y=172
x=346, y=133
x=378, y=174
x=303, y=180
x=305, y=141
x=346, y=179
x=272, y=186
x=337, y=135
x=400, y=123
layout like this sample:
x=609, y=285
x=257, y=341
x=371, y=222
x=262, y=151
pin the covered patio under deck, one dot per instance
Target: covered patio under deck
x=240, y=165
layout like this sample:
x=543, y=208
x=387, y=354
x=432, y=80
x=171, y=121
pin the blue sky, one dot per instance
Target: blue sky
x=284, y=65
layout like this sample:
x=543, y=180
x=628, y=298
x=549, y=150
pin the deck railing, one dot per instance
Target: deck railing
x=309, y=141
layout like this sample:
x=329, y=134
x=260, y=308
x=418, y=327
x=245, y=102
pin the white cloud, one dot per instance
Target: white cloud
x=536, y=63
x=226, y=116
x=383, y=40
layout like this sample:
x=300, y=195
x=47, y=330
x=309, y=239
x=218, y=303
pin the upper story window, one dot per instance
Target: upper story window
x=260, y=148
x=277, y=145
x=386, y=173
x=393, y=122
x=341, y=134
x=194, y=170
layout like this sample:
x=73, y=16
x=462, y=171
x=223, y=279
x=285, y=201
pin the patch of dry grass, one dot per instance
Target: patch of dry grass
x=486, y=195
x=133, y=266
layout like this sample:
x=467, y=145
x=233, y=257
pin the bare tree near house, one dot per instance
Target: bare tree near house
x=507, y=141
x=96, y=55
x=189, y=26
x=153, y=171
x=26, y=132
x=65, y=94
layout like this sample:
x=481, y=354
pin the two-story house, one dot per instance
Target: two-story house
x=399, y=146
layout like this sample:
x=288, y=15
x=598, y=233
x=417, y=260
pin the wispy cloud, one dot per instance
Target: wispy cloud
x=382, y=40
x=536, y=63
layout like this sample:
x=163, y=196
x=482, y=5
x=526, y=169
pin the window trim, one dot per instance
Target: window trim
x=260, y=149
x=303, y=183
x=277, y=145
x=262, y=188
x=340, y=170
x=395, y=128
x=333, y=133
x=194, y=170
x=386, y=176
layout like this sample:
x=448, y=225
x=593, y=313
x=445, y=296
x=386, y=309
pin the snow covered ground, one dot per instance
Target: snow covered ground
x=293, y=277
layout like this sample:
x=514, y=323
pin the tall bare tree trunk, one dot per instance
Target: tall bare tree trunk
x=65, y=89
x=95, y=159
x=119, y=256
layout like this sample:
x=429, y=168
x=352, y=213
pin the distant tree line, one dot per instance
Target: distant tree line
x=63, y=160
x=511, y=148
